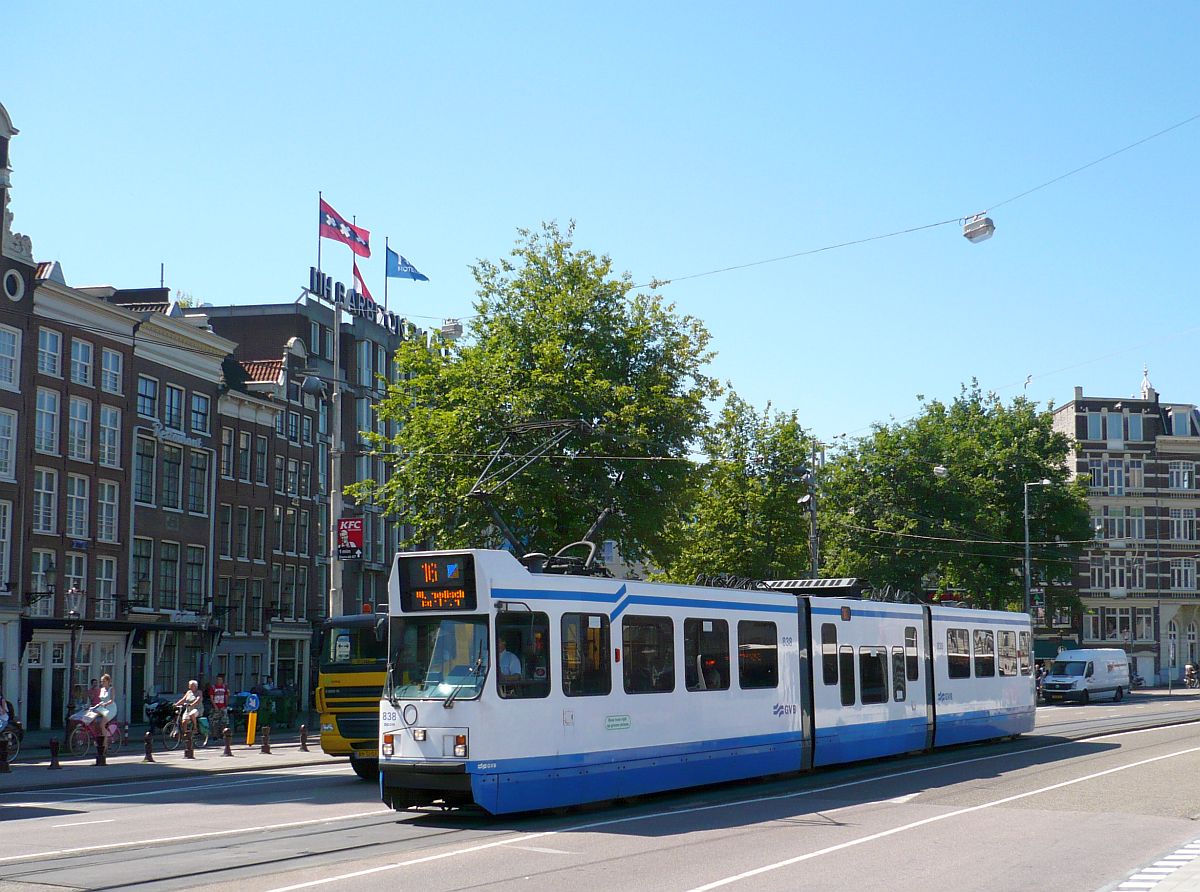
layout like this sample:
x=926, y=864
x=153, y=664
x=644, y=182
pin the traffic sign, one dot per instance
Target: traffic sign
x=252, y=703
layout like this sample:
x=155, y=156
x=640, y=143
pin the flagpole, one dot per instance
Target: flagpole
x=319, y=200
x=385, y=275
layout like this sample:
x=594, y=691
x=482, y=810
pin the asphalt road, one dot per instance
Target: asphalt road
x=1043, y=812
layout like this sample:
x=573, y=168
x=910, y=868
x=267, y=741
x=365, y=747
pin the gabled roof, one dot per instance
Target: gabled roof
x=263, y=371
x=50, y=270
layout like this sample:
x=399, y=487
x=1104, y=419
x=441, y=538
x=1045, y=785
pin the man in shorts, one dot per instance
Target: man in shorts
x=218, y=696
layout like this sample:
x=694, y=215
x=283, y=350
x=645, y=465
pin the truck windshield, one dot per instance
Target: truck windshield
x=1068, y=667
x=435, y=657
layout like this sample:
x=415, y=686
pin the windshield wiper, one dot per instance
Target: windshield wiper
x=479, y=667
x=389, y=690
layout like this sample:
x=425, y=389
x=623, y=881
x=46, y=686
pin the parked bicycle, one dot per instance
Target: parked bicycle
x=85, y=735
x=173, y=732
x=11, y=731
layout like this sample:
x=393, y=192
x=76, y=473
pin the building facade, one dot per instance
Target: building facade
x=1138, y=580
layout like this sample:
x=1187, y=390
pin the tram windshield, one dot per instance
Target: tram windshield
x=1068, y=667
x=438, y=657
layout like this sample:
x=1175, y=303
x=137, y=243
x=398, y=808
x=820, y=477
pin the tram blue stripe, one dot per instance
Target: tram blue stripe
x=622, y=600
x=911, y=615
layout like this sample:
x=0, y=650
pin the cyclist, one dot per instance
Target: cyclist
x=218, y=695
x=192, y=702
x=105, y=709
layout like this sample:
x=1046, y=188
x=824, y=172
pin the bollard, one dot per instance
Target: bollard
x=102, y=748
x=4, y=769
x=188, y=752
x=149, y=757
x=304, y=738
x=125, y=734
x=266, y=747
x=54, y=766
x=228, y=735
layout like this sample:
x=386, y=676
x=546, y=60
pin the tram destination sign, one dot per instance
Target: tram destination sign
x=436, y=582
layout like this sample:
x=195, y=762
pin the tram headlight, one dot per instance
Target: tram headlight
x=389, y=745
x=419, y=735
x=460, y=746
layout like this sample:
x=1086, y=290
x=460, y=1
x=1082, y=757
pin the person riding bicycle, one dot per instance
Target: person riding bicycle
x=192, y=702
x=105, y=709
x=1189, y=676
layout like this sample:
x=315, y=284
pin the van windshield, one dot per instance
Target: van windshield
x=1068, y=667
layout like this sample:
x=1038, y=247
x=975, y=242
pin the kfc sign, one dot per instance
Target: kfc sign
x=350, y=539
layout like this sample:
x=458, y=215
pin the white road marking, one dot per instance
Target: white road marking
x=163, y=839
x=82, y=823
x=544, y=851
x=702, y=808
x=900, y=800
x=936, y=818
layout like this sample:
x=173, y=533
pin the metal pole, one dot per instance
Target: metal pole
x=70, y=676
x=813, y=541
x=1027, y=559
x=335, y=468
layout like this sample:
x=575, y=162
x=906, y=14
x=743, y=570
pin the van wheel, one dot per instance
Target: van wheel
x=1086, y=698
x=1118, y=695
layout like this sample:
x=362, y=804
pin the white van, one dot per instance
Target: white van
x=1085, y=675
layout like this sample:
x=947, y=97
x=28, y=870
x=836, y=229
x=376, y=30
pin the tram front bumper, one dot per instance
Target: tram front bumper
x=406, y=784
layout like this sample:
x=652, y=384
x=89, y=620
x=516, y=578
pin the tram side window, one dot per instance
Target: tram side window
x=523, y=655
x=872, y=669
x=911, y=662
x=706, y=654
x=1024, y=655
x=1008, y=653
x=846, y=668
x=758, y=655
x=984, y=645
x=829, y=659
x=586, y=670
x=958, y=653
x=649, y=654
x=899, y=685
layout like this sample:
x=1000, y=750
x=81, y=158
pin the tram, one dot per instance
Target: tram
x=514, y=690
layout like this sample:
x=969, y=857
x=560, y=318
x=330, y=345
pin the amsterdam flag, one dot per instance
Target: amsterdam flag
x=334, y=226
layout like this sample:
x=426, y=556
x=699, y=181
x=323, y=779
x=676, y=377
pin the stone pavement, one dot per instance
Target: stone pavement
x=31, y=770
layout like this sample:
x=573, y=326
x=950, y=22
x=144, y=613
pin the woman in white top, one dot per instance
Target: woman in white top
x=106, y=709
x=192, y=702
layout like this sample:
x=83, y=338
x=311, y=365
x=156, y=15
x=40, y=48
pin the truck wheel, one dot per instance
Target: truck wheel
x=1086, y=698
x=366, y=769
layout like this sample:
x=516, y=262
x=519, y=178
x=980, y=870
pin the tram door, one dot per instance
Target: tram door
x=586, y=647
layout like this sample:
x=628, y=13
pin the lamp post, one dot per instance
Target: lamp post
x=1042, y=482
x=313, y=385
x=74, y=622
x=44, y=582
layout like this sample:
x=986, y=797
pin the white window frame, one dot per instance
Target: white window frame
x=8, y=445
x=6, y=514
x=79, y=429
x=78, y=493
x=112, y=373
x=45, y=501
x=49, y=361
x=105, y=599
x=174, y=399
x=10, y=358
x=108, y=510
x=83, y=362
x=154, y=399
x=202, y=408
x=46, y=420
x=110, y=437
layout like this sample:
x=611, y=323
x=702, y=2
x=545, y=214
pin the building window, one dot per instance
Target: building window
x=172, y=471
x=1135, y=428
x=279, y=474
x=77, y=506
x=173, y=407
x=314, y=338
x=302, y=534
x=144, y=455
x=45, y=500
x=75, y=572
x=243, y=532
x=198, y=484
x=289, y=531
x=1143, y=624
x=256, y=605
x=306, y=429
x=1135, y=474
x=293, y=427
x=45, y=425
x=193, y=578
x=200, y=413
x=106, y=588
x=8, y=445
x=329, y=343
x=1183, y=574
x=49, y=352
x=141, y=570
x=147, y=397
x=227, y=453
x=40, y=567
x=107, y=510
x=1181, y=474
x=362, y=361
x=1183, y=524
x=81, y=362
x=225, y=530
x=305, y=479
x=1116, y=477
x=6, y=539
x=277, y=528
x=240, y=606
x=260, y=534
x=293, y=477
x=79, y=429
x=110, y=436
x=168, y=575
x=261, y=469
x=301, y=592
x=243, y=456
x=111, y=371
x=10, y=358
x=287, y=607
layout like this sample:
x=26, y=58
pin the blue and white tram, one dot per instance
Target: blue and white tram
x=516, y=691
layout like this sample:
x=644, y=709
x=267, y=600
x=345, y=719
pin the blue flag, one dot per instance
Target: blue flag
x=399, y=268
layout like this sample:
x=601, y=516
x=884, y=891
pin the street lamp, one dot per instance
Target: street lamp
x=314, y=386
x=44, y=581
x=74, y=622
x=1042, y=482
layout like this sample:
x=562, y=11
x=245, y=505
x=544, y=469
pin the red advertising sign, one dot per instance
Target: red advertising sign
x=349, y=539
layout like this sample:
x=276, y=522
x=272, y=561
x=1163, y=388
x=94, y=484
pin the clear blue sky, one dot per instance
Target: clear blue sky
x=682, y=138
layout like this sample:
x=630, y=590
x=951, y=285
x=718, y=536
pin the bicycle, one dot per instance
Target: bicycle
x=85, y=734
x=11, y=731
x=173, y=733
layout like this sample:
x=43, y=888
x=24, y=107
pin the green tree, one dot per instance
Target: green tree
x=744, y=519
x=937, y=502
x=557, y=336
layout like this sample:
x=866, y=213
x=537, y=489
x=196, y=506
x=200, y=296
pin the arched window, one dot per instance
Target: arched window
x=1173, y=643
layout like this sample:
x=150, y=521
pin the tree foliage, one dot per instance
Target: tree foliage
x=556, y=336
x=889, y=517
x=744, y=519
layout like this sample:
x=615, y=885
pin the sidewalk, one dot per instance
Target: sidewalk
x=31, y=770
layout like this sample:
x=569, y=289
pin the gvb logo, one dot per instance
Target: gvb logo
x=784, y=709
